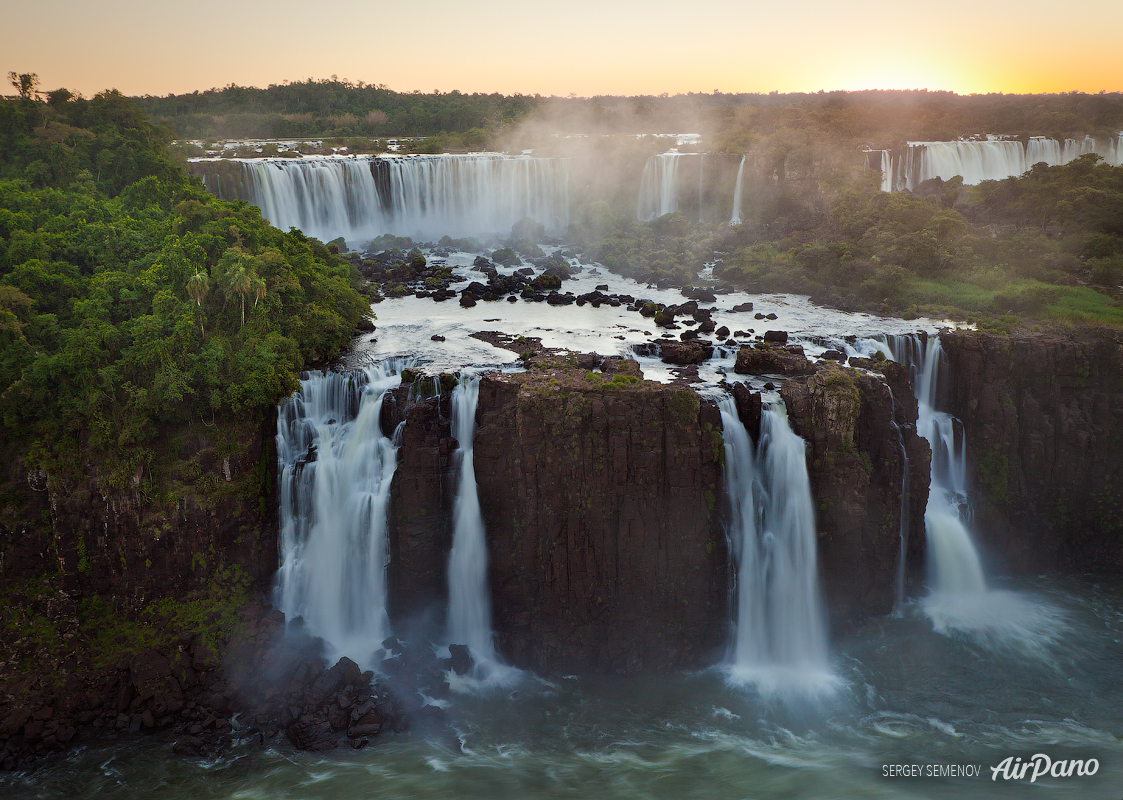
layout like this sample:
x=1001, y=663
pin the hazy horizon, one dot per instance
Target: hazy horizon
x=588, y=49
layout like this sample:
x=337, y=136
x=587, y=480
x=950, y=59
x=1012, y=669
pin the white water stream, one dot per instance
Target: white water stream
x=335, y=469
x=469, y=603
x=959, y=600
x=780, y=645
x=737, y=217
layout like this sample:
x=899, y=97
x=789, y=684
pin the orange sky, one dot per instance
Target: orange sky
x=584, y=46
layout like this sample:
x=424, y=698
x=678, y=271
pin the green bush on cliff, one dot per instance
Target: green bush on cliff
x=131, y=300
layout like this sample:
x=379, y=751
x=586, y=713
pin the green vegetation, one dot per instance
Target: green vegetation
x=132, y=302
x=211, y=613
x=1001, y=251
x=670, y=248
x=339, y=108
x=1046, y=247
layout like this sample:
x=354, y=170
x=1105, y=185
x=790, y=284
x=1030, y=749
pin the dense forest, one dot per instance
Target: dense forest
x=132, y=301
x=334, y=108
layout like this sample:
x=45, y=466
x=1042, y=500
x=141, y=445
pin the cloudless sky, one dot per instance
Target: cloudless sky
x=584, y=47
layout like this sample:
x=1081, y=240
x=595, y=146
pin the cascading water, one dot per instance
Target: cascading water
x=954, y=565
x=881, y=160
x=701, y=172
x=361, y=198
x=737, y=218
x=469, y=602
x=991, y=159
x=959, y=600
x=658, y=188
x=335, y=468
x=780, y=644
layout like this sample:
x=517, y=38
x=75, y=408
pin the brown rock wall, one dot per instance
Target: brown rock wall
x=606, y=552
x=1043, y=418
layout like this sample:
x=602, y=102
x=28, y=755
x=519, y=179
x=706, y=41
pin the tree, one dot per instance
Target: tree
x=197, y=287
x=242, y=283
x=26, y=83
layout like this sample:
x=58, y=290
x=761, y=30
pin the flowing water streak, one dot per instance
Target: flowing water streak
x=883, y=163
x=780, y=644
x=701, y=171
x=959, y=601
x=658, y=188
x=737, y=218
x=335, y=469
x=469, y=606
x=432, y=195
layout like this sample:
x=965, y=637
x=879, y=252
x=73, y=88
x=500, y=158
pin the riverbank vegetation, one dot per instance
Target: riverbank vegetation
x=132, y=301
x=1046, y=247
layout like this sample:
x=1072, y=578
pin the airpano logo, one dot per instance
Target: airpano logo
x=1039, y=765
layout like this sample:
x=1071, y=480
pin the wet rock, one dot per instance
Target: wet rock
x=1043, y=419
x=311, y=735
x=629, y=501
x=765, y=360
x=776, y=337
x=749, y=409
x=743, y=307
x=461, y=659
x=855, y=465
x=436, y=337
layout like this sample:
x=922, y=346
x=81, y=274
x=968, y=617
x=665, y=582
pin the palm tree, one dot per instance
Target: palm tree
x=197, y=287
x=242, y=283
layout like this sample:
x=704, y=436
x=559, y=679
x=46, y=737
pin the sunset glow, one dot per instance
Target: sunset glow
x=585, y=48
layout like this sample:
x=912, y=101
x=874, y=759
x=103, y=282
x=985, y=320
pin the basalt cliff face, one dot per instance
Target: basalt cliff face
x=600, y=496
x=869, y=473
x=422, y=495
x=214, y=510
x=1043, y=419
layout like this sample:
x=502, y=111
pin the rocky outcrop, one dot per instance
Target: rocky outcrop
x=163, y=535
x=765, y=359
x=1043, y=418
x=422, y=496
x=244, y=681
x=599, y=493
x=857, y=442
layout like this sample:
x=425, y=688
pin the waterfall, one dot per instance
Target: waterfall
x=737, y=219
x=335, y=468
x=701, y=171
x=954, y=563
x=421, y=195
x=884, y=165
x=959, y=599
x=994, y=158
x=658, y=187
x=780, y=642
x=469, y=603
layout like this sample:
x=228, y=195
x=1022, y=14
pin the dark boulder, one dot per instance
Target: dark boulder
x=461, y=659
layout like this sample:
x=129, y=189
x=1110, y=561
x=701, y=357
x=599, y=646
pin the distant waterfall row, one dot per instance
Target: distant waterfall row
x=426, y=196
x=977, y=161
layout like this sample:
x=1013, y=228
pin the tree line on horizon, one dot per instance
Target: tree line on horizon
x=334, y=108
